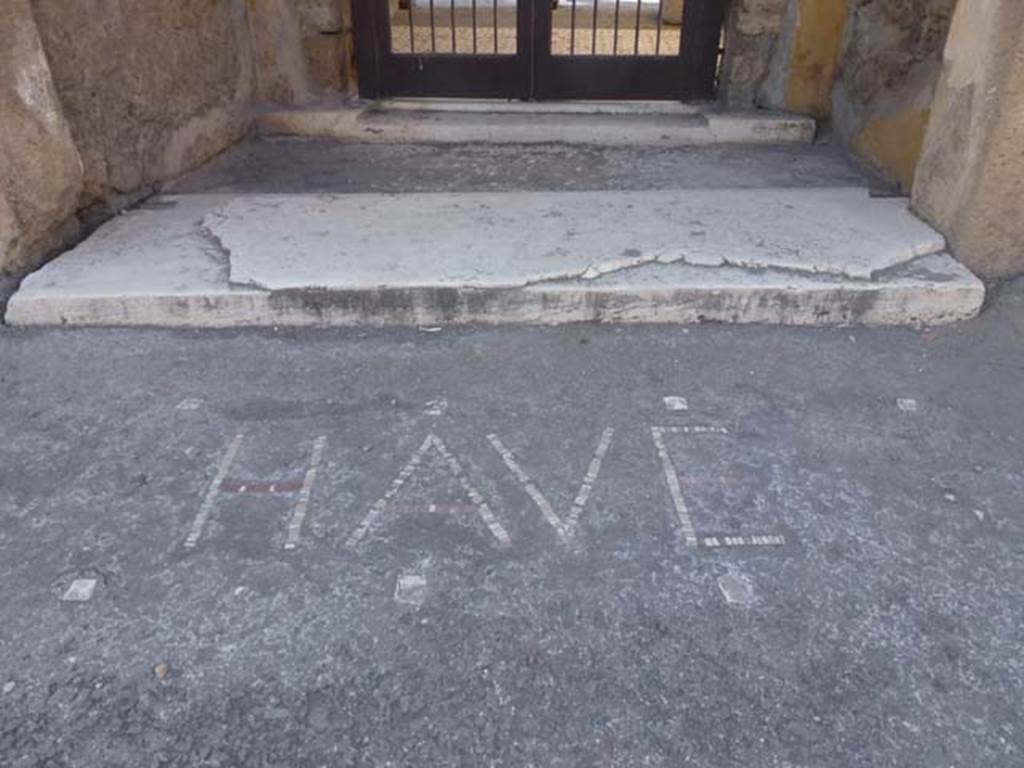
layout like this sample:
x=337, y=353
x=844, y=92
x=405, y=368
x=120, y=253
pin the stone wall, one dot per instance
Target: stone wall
x=149, y=87
x=327, y=43
x=970, y=180
x=783, y=54
x=303, y=50
x=101, y=99
x=929, y=92
x=753, y=29
x=888, y=69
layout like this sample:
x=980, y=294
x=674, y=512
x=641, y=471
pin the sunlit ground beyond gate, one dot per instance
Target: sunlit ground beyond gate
x=588, y=27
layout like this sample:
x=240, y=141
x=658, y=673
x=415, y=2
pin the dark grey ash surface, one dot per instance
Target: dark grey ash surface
x=887, y=632
x=282, y=166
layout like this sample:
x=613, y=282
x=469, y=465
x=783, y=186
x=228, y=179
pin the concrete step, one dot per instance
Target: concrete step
x=810, y=256
x=632, y=124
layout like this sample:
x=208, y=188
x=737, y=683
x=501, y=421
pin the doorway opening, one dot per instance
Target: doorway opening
x=539, y=49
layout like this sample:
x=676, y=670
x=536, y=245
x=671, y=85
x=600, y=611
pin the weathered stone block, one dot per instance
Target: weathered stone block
x=301, y=49
x=325, y=57
x=319, y=15
x=970, y=180
x=751, y=33
x=40, y=168
x=150, y=88
x=282, y=73
x=887, y=72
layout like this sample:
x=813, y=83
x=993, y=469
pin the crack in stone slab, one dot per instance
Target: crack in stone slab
x=595, y=273
x=596, y=277
x=933, y=268
x=507, y=240
x=216, y=248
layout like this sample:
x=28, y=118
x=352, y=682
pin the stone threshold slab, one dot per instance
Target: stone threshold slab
x=937, y=290
x=158, y=266
x=508, y=239
x=539, y=124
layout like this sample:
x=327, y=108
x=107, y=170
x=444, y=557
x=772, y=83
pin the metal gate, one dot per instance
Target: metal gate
x=537, y=49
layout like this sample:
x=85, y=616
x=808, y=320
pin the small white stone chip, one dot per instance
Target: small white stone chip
x=907, y=404
x=676, y=404
x=736, y=588
x=411, y=589
x=8, y=686
x=436, y=407
x=80, y=591
x=189, y=404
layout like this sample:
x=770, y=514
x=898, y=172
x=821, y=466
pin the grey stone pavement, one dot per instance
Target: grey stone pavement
x=285, y=165
x=505, y=547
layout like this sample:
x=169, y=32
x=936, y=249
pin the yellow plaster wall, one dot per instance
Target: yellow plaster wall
x=970, y=180
x=815, y=55
x=894, y=143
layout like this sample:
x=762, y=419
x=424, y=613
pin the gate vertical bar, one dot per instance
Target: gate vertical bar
x=531, y=41
x=636, y=33
x=615, y=41
x=412, y=29
x=433, y=29
x=452, y=20
x=368, y=48
x=572, y=29
x=474, y=26
x=657, y=38
x=701, y=37
x=539, y=33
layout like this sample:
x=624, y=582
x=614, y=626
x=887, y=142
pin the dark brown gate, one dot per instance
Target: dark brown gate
x=537, y=49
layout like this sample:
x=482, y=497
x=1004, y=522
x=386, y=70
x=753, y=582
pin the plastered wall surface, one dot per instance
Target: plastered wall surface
x=885, y=82
x=866, y=67
x=811, y=57
x=970, y=180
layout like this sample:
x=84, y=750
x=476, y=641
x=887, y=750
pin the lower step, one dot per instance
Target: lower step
x=782, y=256
x=630, y=124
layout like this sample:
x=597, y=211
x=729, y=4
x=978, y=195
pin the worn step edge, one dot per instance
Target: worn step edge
x=371, y=125
x=936, y=290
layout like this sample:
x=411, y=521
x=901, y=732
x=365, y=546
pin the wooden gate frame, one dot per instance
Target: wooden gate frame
x=533, y=72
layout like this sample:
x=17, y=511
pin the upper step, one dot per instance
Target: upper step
x=633, y=124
